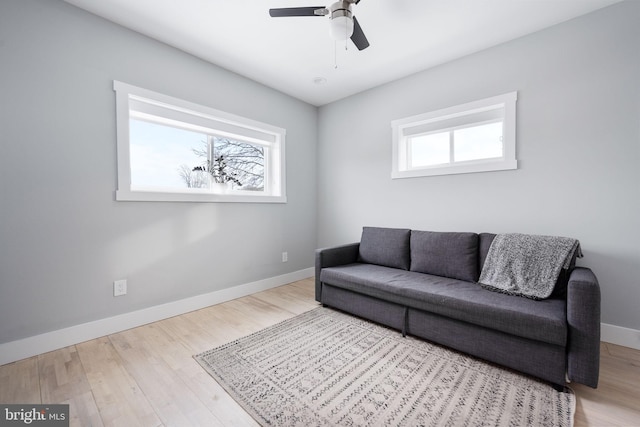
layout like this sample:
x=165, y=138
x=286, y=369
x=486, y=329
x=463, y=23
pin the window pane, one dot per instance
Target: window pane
x=429, y=150
x=164, y=156
x=240, y=163
x=169, y=148
x=478, y=142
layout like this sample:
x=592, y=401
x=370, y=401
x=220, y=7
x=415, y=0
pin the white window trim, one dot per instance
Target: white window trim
x=276, y=183
x=507, y=101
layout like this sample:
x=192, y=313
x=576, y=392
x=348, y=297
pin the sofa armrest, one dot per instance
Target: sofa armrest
x=583, y=318
x=334, y=256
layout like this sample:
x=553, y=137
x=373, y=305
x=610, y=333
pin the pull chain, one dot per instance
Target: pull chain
x=335, y=52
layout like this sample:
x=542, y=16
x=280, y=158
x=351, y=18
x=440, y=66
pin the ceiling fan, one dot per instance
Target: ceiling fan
x=343, y=24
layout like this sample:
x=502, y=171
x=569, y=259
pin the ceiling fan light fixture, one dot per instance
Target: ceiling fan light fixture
x=341, y=28
x=341, y=21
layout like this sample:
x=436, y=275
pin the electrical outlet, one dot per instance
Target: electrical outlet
x=119, y=288
x=285, y=257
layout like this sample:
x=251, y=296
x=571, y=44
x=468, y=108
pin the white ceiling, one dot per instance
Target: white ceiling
x=288, y=54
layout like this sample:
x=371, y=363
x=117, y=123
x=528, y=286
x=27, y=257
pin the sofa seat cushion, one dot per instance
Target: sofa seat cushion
x=466, y=301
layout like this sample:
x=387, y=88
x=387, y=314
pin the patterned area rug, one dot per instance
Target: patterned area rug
x=326, y=368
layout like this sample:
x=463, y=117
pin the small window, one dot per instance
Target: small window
x=173, y=150
x=475, y=137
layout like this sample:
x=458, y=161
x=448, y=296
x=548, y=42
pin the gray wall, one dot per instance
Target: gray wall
x=63, y=238
x=578, y=145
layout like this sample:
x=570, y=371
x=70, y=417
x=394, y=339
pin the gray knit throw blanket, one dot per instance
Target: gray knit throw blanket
x=527, y=265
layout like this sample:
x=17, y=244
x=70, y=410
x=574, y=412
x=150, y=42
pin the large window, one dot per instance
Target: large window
x=475, y=137
x=174, y=150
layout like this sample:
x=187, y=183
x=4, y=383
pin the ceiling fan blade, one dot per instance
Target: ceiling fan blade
x=296, y=11
x=358, y=38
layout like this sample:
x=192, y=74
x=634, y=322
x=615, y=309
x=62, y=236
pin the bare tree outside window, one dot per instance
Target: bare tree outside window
x=227, y=161
x=193, y=178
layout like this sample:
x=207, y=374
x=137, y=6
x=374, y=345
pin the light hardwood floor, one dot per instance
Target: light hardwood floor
x=147, y=376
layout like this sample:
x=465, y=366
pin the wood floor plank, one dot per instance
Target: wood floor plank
x=227, y=410
x=616, y=401
x=83, y=411
x=625, y=353
x=262, y=313
x=240, y=317
x=20, y=382
x=197, y=336
x=197, y=339
x=224, y=321
x=293, y=299
x=61, y=375
x=63, y=380
x=305, y=287
x=117, y=395
x=147, y=353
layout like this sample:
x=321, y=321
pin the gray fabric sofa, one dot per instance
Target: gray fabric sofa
x=425, y=284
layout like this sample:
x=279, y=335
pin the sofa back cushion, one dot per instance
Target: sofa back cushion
x=453, y=255
x=388, y=247
x=485, y=243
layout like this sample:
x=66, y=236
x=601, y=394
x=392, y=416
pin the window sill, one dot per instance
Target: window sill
x=457, y=169
x=157, y=196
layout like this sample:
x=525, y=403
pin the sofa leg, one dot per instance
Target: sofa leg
x=404, y=323
x=559, y=388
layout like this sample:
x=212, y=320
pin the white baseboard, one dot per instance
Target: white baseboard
x=38, y=344
x=619, y=335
